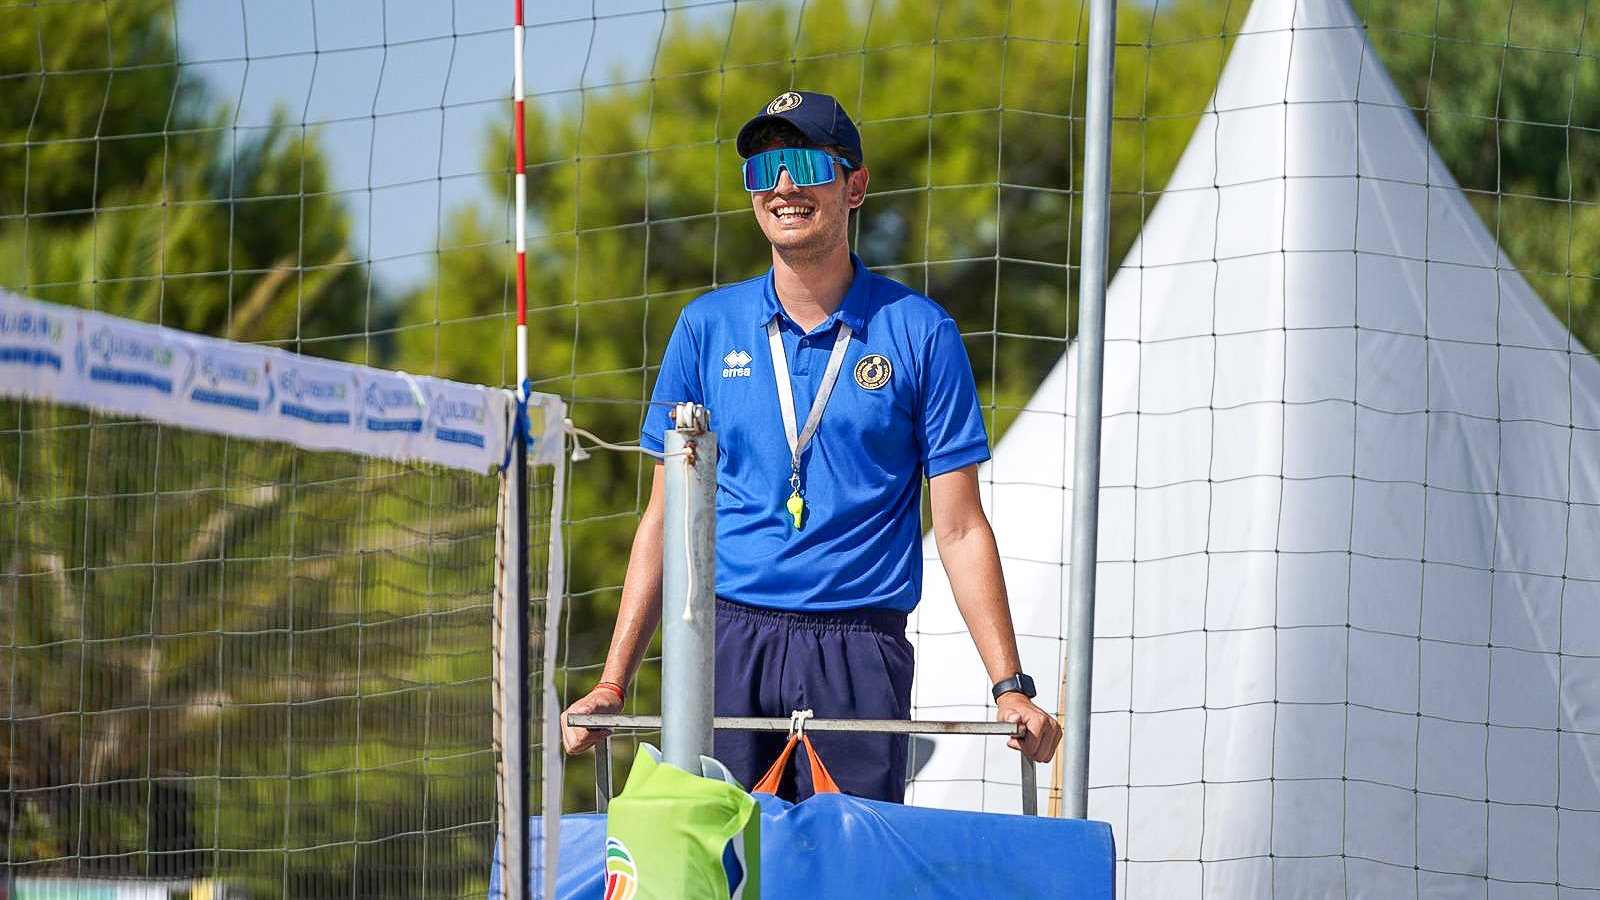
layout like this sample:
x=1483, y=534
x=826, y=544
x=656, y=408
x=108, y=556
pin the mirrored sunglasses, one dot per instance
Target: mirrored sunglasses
x=807, y=168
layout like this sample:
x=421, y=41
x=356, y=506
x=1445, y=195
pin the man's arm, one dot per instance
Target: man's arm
x=638, y=614
x=972, y=561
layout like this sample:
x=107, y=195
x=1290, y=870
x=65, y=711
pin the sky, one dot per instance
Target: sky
x=405, y=92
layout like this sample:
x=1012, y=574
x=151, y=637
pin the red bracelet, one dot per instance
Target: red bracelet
x=614, y=688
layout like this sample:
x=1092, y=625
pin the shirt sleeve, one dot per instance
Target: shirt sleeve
x=677, y=382
x=950, y=423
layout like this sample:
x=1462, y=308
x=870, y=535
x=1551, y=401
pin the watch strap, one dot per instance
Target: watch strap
x=1019, y=683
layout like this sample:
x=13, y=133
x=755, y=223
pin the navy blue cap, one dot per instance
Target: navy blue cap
x=818, y=116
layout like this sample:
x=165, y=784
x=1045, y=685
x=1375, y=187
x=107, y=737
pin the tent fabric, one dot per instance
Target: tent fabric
x=836, y=845
x=1347, y=640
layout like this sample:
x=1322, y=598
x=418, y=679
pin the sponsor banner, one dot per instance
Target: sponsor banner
x=316, y=405
x=460, y=418
x=231, y=378
x=130, y=365
x=76, y=357
x=391, y=403
x=35, y=348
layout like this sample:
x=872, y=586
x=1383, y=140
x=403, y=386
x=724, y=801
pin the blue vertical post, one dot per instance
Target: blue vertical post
x=513, y=675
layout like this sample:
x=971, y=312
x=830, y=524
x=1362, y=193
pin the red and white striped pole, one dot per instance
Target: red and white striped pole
x=521, y=178
x=517, y=866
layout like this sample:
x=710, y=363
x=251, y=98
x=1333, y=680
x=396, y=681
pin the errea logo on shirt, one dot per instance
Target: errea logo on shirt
x=738, y=364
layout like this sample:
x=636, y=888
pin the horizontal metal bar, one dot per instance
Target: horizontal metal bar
x=739, y=723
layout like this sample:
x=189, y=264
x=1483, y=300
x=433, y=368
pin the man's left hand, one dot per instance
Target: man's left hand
x=1042, y=731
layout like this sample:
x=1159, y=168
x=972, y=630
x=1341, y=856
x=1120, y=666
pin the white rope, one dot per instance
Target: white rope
x=579, y=454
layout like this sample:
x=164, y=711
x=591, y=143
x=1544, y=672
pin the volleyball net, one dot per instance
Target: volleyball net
x=253, y=607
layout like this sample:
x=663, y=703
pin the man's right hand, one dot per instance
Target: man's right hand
x=599, y=701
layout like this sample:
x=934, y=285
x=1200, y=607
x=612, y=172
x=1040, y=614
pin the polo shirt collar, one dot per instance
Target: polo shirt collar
x=852, y=310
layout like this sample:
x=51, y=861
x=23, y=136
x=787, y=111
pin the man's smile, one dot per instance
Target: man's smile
x=792, y=212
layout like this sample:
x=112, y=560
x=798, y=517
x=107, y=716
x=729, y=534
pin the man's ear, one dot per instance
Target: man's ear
x=856, y=187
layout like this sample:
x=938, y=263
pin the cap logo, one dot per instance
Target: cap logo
x=783, y=103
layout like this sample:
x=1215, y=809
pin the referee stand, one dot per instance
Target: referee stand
x=831, y=843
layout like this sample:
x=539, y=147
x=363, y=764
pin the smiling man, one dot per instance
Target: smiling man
x=834, y=392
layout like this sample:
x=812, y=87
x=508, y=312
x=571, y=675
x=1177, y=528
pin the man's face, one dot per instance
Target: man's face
x=810, y=222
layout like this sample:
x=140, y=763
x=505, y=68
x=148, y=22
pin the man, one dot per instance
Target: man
x=818, y=518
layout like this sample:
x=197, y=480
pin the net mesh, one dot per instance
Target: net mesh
x=1288, y=697
x=335, y=178
x=237, y=662
x=315, y=177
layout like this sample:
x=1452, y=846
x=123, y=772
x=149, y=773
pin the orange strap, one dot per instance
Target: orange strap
x=821, y=781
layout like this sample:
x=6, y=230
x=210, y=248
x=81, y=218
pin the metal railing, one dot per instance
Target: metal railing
x=602, y=768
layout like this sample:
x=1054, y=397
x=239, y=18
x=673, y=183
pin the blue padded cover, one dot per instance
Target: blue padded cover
x=835, y=845
x=581, y=873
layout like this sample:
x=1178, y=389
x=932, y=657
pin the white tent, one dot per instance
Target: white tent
x=1348, y=633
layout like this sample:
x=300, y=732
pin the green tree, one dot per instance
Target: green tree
x=1509, y=94
x=85, y=89
x=222, y=657
x=124, y=188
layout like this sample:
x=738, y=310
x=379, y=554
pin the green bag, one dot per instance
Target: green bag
x=672, y=835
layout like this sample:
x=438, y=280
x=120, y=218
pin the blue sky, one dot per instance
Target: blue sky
x=404, y=92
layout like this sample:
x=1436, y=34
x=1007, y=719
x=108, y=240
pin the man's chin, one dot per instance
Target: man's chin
x=801, y=244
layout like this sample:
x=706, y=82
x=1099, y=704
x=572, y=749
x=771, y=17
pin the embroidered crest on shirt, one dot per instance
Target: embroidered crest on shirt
x=873, y=372
x=738, y=364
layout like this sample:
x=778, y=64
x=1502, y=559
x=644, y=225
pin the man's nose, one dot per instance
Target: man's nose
x=785, y=183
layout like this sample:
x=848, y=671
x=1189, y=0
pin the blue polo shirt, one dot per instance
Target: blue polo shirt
x=883, y=430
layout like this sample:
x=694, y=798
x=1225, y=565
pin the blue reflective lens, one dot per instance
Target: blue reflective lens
x=807, y=168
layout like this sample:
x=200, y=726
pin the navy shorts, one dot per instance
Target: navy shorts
x=854, y=664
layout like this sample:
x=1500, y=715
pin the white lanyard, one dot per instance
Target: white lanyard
x=798, y=441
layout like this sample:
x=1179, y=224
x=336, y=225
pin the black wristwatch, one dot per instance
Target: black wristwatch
x=1019, y=682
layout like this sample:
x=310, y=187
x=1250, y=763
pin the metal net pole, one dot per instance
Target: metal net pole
x=1091, y=364
x=688, y=589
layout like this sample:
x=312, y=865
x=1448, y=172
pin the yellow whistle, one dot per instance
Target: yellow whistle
x=797, y=507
